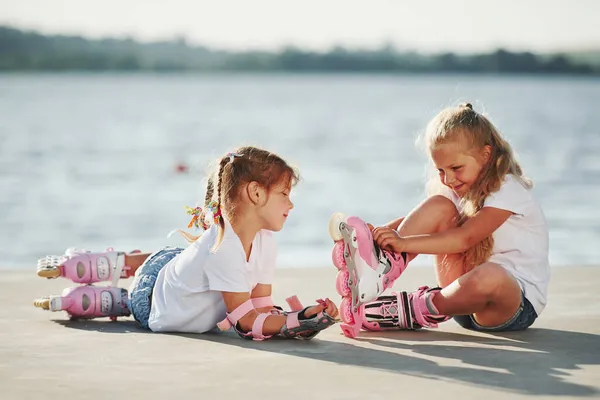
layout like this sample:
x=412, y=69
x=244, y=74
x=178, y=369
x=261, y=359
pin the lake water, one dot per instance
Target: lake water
x=90, y=160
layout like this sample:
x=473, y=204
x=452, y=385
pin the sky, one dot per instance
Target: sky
x=426, y=25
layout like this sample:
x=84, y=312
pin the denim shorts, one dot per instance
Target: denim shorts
x=140, y=295
x=522, y=319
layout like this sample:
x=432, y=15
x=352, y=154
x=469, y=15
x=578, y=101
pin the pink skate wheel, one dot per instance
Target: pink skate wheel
x=349, y=331
x=337, y=255
x=341, y=283
x=346, y=311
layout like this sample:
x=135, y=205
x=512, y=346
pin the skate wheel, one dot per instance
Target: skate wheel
x=349, y=331
x=346, y=311
x=337, y=255
x=334, y=226
x=48, y=273
x=49, y=266
x=43, y=303
x=341, y=283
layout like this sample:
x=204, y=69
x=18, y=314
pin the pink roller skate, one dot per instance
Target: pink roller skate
x=403, y=310
x=88, y=302
x=84, y=267
x=365, y=270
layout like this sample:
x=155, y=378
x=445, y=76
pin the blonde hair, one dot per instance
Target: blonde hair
x=246, y=164
x=475, y=131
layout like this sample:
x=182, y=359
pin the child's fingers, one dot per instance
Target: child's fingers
x=314, y=310
x=331, y=309
x=384, y=243
x=387, y=243
x=376, y=232
x=386, y=240
x=380, y=238
x=380, y=233
x=322, y=302
x=327, y=305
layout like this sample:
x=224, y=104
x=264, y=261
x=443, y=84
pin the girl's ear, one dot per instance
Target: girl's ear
x=256, y=193
x=486, y=153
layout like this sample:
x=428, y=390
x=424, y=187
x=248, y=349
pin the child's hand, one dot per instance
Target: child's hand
x=324, y=305
x=388, y=239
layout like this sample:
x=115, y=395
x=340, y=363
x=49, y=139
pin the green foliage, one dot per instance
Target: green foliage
x=23, y=51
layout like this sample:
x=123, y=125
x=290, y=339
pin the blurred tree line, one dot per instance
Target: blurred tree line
x=30, y=51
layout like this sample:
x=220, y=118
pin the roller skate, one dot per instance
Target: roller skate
x=403, y=310
x=86, y=302
x=365, y=270
x=82, y=266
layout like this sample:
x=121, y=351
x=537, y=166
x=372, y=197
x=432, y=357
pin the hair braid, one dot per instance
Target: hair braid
x=210, y=188
x=222, y=165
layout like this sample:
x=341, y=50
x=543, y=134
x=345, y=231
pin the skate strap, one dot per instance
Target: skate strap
x=266, y=301
x=424, y=311
x=257, y=327
x=118, y=259
x=292, y=321
x=260, y=302
x=233, y=317
x=294, y=303
x=231, y=321
x=405, y=311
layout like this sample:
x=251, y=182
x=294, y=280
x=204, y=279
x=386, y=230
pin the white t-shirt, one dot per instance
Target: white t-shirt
x=187, y=294
x=520, y=243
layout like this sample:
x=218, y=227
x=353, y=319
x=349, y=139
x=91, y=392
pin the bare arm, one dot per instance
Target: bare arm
x=456, y=240
x=261, y=290
x=394, y=224
x=273, y=323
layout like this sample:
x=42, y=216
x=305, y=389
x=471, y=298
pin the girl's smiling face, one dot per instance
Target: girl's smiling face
x=457, y=166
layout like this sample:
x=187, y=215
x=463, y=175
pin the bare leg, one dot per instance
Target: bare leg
x=488, y=291
x=134, y=261
x=436, y=214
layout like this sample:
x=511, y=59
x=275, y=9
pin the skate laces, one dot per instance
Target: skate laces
x=387, y=311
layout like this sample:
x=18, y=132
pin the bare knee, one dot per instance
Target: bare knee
x=444, y=211
x=436, y=214
x=486, y=280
